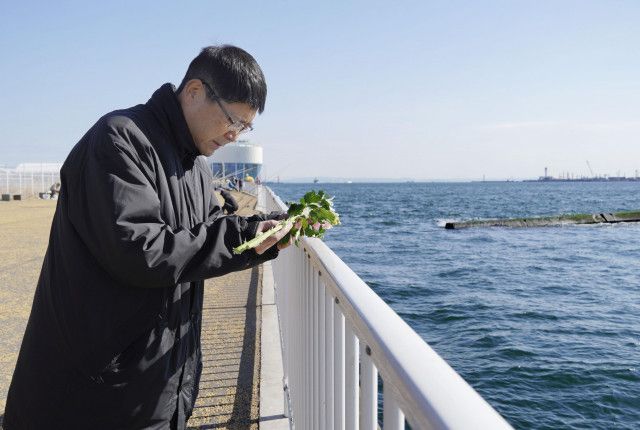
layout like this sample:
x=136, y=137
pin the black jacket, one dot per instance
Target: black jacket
x=113, y=339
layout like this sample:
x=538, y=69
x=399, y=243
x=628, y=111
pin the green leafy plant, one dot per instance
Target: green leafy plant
x=312, y=216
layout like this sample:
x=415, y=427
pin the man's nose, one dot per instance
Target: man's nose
x=231, y=136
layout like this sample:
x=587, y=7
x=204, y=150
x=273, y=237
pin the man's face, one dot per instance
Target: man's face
x=208, y=123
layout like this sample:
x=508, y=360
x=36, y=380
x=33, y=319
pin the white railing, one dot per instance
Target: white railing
x=252, y=188
x=339, y=337
x=27, y=183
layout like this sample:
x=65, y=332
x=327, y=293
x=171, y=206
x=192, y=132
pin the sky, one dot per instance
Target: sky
x=446, y=90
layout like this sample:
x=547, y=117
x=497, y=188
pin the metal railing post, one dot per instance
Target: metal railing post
x=315, y=353
x=392, y=416
x=322, y=357
x=299, y=347
x=328, y=356
x=307, y=343
x=338, y=368
x=369, y=391
x=352, y=381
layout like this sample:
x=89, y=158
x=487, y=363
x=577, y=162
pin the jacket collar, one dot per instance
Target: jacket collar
x=167, y=110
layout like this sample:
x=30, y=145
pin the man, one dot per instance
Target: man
x=113, y=339
x=54, y=190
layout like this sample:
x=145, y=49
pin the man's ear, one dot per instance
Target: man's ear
x=193, y=88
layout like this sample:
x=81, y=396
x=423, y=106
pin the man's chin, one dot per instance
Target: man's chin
x=210, y=148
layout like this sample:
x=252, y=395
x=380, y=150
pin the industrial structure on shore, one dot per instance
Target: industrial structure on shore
x=570, y=177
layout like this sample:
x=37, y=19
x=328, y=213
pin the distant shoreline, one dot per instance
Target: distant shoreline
x=447, y=181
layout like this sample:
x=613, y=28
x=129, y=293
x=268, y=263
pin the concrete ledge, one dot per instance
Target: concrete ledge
x=272, y=395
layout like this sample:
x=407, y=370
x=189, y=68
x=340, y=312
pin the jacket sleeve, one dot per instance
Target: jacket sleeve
x=115, y=209
x=215, y=208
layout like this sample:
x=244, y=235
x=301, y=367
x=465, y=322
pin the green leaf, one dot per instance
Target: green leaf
x=295, y=209
x=313, y=197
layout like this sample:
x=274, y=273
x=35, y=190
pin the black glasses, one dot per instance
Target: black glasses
x=236, y=126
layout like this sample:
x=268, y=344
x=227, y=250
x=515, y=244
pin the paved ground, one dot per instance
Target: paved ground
x=24, y=234
x=229, y=394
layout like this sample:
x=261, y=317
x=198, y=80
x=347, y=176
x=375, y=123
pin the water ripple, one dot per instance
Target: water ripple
x=544, y=323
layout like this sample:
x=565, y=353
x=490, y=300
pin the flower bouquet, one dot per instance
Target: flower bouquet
x=311, y=217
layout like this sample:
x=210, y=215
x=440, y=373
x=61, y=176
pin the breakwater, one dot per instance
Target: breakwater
x=549, y=221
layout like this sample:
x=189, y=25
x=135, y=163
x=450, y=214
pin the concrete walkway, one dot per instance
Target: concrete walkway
x=229, y=392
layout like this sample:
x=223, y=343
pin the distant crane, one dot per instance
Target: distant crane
x=590, y=169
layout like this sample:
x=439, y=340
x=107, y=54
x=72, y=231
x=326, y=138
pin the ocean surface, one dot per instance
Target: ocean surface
x=543, y=322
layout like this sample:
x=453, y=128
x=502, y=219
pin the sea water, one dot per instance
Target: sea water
x=543, y=322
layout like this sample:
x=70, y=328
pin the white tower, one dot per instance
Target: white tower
x=239, y=159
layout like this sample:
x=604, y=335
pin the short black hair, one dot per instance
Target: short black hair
x=232, y=72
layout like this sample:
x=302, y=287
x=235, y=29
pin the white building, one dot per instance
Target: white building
x=239, y=159
x=35, y=168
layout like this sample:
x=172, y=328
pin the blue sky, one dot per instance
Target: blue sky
x=428, y=90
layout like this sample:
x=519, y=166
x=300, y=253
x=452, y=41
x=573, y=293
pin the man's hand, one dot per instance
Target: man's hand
x=272, y=240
